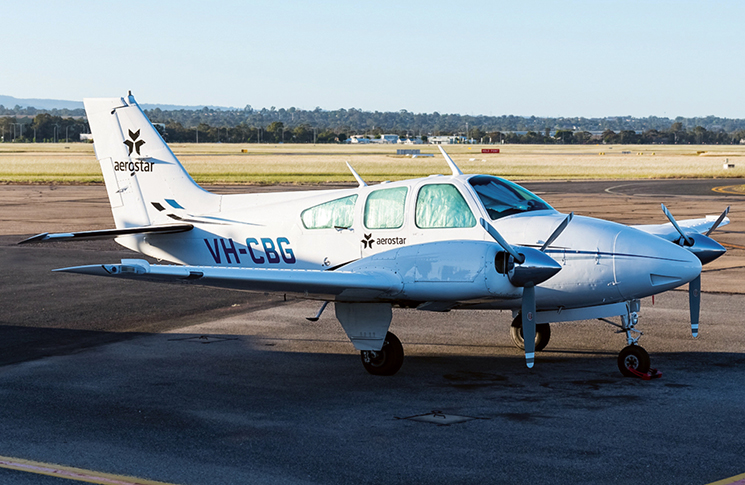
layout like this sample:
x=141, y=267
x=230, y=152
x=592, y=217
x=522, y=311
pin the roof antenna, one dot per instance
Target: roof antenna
x=357, y=176
x=451, y=163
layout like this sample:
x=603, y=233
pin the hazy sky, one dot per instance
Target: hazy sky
x=542, y=58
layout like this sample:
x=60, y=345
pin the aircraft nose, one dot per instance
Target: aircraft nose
x=646, y=264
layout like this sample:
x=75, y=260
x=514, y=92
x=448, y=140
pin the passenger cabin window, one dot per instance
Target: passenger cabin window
x=336, y=213
x=502, y=198
x=384, y=208
x=441, y=205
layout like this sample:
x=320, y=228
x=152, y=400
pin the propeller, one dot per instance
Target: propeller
x=706, y=250
x=557, y=232
x=519, y=258
x=684, y=240
x=719, y=221
x=529, y=268
x=694, y=301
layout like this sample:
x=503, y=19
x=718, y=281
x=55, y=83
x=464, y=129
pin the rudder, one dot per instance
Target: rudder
x=141, y=173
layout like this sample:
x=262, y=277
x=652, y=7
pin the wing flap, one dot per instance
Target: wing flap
x=343, y=285
x=109, y=233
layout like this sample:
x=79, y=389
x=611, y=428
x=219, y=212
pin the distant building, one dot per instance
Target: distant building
x=446, y=140
x=358, y=139
x=411, y=141
x=388, y=139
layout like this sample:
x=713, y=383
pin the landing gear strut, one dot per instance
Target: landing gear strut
x=542, y=334
x=386, y=361
x=633, y=357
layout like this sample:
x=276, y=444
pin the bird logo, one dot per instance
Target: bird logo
x=368, y=241
x=134, y=144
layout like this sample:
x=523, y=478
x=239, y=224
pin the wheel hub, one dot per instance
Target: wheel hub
x=631, y=361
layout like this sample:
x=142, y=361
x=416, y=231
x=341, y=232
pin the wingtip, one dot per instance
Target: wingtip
x=37, y=238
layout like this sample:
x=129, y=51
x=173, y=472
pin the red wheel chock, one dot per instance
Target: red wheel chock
x=652, y=374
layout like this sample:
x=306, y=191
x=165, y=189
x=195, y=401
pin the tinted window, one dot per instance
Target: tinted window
x=502, y=198
x=441, y=205
x=336, y=213
x=384, y=209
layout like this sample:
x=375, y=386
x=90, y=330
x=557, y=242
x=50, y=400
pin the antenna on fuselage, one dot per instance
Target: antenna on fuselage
x=357, y=176
x=451, y=163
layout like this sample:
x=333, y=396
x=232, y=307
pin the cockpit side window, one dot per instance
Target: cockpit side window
x=335, y=213
x=441, y=206
x=384, y=209
x=502, y=198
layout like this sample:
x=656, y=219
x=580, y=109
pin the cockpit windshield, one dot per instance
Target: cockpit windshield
x=502, y=198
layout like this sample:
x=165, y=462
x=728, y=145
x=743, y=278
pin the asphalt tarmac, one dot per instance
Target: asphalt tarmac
x=191, y=385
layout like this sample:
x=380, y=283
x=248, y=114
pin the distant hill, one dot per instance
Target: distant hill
x=11, y=102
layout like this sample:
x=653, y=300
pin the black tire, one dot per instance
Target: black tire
x=635, y=357
x=388, y=360
x=542, y=334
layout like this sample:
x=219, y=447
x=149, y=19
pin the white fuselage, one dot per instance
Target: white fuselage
x=602, y=262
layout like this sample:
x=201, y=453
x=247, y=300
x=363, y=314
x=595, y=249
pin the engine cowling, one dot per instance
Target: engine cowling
x=444, y=271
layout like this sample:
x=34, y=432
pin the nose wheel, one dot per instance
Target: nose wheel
x=542, y=334
x=386, y=361
x=635, y=358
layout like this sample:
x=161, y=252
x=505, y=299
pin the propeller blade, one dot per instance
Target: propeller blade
x=694, y=300
x=688, y=241
x=528, y=313
x=498, y=237
x=557, y=232
x=719, y=221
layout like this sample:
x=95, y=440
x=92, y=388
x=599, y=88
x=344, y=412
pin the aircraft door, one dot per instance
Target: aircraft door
x=330, y=233
x=383, y=221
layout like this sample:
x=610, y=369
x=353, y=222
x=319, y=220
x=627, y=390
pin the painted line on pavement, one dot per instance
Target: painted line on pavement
x=737, y=480
x=730, y=189
x=70, y=473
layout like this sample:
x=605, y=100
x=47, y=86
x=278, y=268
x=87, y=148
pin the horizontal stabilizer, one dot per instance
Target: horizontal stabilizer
x=348, y=286
x=109, y=233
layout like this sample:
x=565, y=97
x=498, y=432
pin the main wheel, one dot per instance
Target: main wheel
x=633, y=357
x=542, y=334
x=386, y=361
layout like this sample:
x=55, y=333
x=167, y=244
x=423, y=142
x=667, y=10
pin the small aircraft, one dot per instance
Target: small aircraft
x=437, y=243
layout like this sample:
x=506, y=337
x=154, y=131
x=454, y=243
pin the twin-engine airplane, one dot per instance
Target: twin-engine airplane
x=438, y=243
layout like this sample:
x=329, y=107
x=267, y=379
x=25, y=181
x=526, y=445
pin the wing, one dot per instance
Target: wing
x=109, y=233
x=667, y=231
x=347, y=286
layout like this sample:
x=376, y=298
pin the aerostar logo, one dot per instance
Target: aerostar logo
x=138, y=166
x=382, y=241
x=134, y=144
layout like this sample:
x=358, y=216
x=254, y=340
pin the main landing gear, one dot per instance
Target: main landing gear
x=386, y=361
x=542, y=334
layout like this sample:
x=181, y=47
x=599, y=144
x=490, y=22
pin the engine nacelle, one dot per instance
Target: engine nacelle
x=443, y=271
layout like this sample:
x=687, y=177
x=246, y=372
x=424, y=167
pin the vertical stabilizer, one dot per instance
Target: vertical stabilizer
x=141, y=173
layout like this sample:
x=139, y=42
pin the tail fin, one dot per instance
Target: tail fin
x=144, y=180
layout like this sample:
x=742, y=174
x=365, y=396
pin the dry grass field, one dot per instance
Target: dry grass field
x=291, y=163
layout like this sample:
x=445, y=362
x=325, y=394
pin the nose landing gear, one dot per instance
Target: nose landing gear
x=633, y=360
